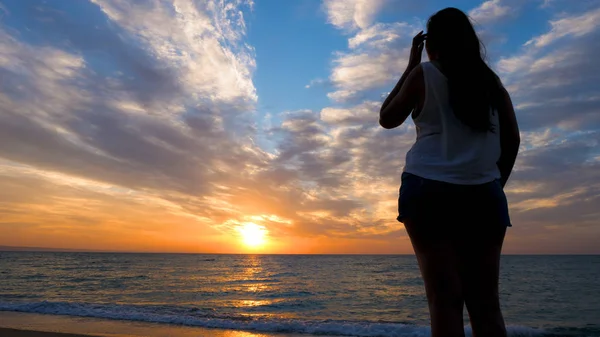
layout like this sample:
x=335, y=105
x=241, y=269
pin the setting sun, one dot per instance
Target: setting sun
x=252, y=234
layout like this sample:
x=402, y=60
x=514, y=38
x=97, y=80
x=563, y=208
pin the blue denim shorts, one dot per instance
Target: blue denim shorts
x=436, y=201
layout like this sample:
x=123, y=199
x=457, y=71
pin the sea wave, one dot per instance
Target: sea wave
x=191, y=317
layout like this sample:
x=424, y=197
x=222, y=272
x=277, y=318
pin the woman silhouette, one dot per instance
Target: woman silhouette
x=451, y=200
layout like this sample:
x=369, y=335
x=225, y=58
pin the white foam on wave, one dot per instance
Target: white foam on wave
x=327, y=327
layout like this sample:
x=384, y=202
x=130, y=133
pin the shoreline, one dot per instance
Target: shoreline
x=17, y=324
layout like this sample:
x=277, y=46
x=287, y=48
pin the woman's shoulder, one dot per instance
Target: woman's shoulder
x=424, y=65
x=417, y=76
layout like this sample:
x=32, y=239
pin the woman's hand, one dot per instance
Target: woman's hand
x=417, y=50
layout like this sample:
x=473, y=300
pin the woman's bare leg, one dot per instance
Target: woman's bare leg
x=480, y=260
x=438, y=261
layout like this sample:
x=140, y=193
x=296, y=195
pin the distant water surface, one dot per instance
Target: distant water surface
x=357, y=295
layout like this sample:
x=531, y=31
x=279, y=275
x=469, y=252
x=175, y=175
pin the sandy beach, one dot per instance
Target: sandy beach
x=13, y=324
x=5, y=332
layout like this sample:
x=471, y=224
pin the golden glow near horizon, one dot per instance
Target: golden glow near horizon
x=253, y=235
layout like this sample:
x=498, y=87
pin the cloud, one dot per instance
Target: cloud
x=379, y=35
x=567, y=190
x=548, y=82
x=377, y=56
x=42, y=208
x=364, y=114
x=315, y=82
x=200, y=42
x=490, y=11
x=342, y=165
x=378, y=53
x=352, y=14
x=354, y=73
x=146, y=108
x=134, y=137
x=100, y=123
x=575, y=26
x=553, y=84
x=557, y=105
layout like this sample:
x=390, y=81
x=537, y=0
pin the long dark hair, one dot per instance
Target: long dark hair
x=474, y=88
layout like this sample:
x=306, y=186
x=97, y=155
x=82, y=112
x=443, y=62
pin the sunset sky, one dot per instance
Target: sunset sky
x=235, y=126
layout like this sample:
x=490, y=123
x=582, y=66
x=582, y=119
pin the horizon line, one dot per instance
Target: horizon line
x=25, y=249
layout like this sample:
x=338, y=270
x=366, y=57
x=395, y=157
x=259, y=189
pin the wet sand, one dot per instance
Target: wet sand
x=14, y=324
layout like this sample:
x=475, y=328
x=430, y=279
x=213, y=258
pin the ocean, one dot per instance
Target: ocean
x=349, y=295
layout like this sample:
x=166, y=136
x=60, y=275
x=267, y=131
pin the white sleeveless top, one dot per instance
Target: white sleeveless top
x=446, y=149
